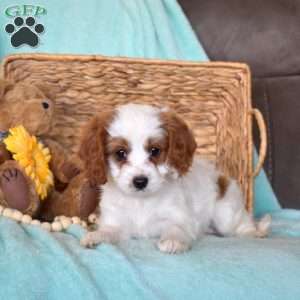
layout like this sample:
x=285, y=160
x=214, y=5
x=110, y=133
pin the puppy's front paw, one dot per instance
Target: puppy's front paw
x=172, y=246
x=92, y=239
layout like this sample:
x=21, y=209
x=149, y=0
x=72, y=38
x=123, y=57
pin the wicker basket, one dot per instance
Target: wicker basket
x=214, y=98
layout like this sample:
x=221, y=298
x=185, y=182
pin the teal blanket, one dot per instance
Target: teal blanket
x=38, y=265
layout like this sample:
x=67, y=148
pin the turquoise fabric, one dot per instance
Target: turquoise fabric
x=139, y=28
x=39, y=265
x=265, y=200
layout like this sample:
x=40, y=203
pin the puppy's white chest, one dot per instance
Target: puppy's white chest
x=131, y=215
x=143, y=216
x=139, y=218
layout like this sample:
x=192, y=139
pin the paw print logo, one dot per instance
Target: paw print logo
x=24, y=33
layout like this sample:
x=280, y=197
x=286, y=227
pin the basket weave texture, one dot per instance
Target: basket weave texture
x=213, y=98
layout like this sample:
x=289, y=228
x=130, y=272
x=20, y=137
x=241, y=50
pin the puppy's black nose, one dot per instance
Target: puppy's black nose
x=45, y=105
x=140, y=182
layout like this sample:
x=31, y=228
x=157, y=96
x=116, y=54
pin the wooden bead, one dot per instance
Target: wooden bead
x=92, y=218
x=59, y=218
x=46, y=226
x=56, y=226
x=65, y=223
x=64, y=218
x=26, y=219
x=35, y=222
x=7, y=212
x=17, y=215
x=76, y=220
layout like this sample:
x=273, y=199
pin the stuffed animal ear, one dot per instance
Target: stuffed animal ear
x=5, y=86
x=93, y=148
x=181, y=142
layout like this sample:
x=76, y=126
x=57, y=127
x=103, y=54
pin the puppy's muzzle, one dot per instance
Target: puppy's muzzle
x=140, y=182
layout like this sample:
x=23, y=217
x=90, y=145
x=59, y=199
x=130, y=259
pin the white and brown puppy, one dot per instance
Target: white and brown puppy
x=142, y=156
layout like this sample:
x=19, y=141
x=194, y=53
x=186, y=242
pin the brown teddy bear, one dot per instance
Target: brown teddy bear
x=73, y=194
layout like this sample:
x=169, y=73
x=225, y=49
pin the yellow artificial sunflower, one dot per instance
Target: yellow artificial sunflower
x=32, y=156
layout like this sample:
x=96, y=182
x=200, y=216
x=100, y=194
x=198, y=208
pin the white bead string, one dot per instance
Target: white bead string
x=60, y=223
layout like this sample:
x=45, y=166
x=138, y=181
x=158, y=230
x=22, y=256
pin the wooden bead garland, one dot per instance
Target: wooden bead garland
x=60, y=223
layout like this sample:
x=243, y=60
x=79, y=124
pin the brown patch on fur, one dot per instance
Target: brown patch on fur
x=223, y=183
x=162, y=145
x=181, y=142
x=115, y=144
x=93, y=147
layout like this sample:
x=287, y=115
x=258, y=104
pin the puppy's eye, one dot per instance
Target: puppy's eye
x=121, y=155
x=154, y=152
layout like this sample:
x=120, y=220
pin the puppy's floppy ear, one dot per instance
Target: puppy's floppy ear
x=92, y=148
x=181, y=142
x=5, y=86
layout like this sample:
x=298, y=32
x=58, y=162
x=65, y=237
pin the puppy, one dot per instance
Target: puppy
x=153, y=187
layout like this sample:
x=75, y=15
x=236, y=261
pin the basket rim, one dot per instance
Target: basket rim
x=95, y=57
x=243, y=67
